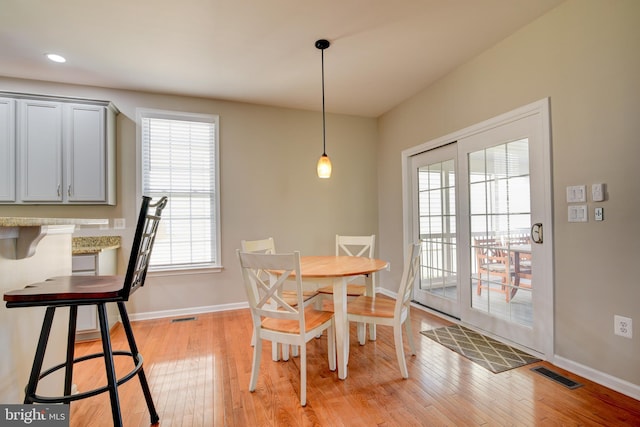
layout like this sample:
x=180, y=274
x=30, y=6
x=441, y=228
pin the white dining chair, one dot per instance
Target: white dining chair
x=274, y=319
x=363, y=246
x=268, y=246
x=382, y=311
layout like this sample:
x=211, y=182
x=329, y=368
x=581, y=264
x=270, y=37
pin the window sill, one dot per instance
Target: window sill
x=185, y=271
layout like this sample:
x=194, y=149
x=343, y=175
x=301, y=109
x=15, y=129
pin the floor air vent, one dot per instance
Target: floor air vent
x=568, y=383
x=183, y=319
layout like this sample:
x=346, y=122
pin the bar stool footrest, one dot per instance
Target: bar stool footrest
x=66, y=399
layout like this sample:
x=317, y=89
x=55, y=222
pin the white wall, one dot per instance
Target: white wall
x=584, y=55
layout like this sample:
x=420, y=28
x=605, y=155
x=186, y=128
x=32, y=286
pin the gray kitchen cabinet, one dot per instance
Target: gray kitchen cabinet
x=64, y=151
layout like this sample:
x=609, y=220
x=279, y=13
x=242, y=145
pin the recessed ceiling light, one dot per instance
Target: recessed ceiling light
x=56, y=58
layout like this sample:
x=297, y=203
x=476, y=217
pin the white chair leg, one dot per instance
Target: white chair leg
x=407, y=325
x=318, y=306
x=294, y=351
x=253, y=333
x=362, y=332
x=371, y=291
x=303, y=375
x=275, y=351
x=331, y=346
x=257, y=352
x=397, y=337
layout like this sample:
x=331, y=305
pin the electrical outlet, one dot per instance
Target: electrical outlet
x=623, y=326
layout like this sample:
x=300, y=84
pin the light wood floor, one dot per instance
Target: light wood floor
x=199, y=375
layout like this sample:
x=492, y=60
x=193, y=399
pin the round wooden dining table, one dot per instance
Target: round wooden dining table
x=337, y=270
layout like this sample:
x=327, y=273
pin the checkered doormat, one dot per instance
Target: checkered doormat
x=487, y=352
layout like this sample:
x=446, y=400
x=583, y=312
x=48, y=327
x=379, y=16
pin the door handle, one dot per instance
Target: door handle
x=536, y=233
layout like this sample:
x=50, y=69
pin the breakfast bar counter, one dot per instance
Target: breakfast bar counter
x=27, y=232
x=93, y=245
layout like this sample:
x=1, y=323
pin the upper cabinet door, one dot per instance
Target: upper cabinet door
x=86, y=153
x=40, y=141
x=7, y=150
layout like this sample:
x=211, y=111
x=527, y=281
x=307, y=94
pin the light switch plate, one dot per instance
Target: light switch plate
x=578, y=213
x=577, y=193
x=597, y=192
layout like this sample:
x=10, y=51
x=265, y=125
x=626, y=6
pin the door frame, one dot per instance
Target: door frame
x=542, y=108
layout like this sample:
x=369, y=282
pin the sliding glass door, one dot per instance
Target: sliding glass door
x=479, y=206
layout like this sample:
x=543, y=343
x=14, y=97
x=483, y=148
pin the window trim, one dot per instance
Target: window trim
x=194, y=117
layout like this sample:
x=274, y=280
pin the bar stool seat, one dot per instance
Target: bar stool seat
x=75, y=291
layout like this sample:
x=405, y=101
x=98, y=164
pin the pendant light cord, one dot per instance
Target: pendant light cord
x=324, y=136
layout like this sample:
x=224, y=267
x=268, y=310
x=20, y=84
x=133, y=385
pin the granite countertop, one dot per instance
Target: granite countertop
x=36, y=222
x=93, y=245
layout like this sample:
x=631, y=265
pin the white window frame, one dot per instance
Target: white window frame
x=142, y=113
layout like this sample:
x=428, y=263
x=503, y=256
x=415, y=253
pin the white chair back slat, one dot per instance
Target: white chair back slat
x=264, y=293
x=409, y=274
x=355, y=245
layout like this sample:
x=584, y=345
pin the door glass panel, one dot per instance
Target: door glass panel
x=500, y=209
x=437, y=208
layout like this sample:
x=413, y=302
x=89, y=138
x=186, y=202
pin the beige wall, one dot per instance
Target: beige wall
x=585, y=56
x=268, y=181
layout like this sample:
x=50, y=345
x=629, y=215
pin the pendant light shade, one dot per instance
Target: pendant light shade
x=324, y=167
x=324, y=164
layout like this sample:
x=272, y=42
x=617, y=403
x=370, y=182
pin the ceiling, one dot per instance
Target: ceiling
x=257, y=51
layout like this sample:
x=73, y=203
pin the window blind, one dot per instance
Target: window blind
x=179, y=161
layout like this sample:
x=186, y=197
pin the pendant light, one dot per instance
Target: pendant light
x=324, y=164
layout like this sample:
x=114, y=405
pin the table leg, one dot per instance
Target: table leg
x=342, y=325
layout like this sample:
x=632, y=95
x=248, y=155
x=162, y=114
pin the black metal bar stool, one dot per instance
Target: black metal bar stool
x=74, y=291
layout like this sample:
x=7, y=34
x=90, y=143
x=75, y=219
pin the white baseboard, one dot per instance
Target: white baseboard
x=614, y=383
x=187, y=311
x=207, y=309
x=386, y=292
